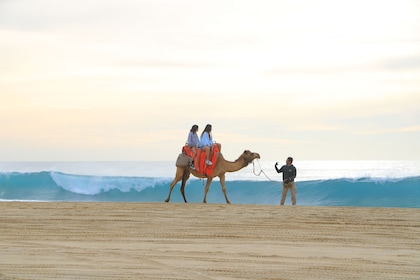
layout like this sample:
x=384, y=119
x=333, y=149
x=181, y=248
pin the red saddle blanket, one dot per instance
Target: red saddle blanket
x=200, y=159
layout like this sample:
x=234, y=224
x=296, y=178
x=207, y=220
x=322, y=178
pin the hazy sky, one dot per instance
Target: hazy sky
x=126, y=80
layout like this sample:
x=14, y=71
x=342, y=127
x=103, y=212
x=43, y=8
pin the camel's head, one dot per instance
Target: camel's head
x=249, y=156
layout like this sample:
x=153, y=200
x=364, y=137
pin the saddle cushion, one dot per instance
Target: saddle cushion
x=200, y=159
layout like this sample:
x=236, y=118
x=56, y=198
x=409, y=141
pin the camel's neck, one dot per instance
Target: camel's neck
x=233, y=166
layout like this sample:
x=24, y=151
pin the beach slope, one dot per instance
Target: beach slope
x=214, y=241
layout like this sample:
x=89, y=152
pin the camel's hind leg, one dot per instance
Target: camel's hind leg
x=183, y=174
x=178, y=176
x=207, y=189
x=184, y=182
x=176, y=180
x=223, y=184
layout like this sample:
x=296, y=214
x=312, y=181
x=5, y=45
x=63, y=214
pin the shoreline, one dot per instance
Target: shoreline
x=130, y=240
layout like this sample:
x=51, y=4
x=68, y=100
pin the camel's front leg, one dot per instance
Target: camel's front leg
x=223, y=184
x=207, y=188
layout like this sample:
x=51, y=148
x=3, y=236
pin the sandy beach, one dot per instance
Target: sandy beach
x=213, y=241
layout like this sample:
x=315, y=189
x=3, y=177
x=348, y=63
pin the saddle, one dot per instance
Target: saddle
x=200, y=159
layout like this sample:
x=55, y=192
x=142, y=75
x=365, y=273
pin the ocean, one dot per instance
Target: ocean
x=319, y=183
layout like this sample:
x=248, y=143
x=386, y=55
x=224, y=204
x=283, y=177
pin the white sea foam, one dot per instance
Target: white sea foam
x=307, y=170
x=92, y=185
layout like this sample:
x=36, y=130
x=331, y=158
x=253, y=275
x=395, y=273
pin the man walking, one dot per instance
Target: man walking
x=289, y=175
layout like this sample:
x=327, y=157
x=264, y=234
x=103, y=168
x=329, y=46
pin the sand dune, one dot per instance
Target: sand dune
x=197, y=241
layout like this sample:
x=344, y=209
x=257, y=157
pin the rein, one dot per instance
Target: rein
x=261, y=170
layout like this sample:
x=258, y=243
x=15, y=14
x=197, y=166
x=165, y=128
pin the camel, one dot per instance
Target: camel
x=221, y=167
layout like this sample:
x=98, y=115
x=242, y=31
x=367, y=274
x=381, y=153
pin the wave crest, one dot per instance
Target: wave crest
x=56, y=186
x=93, y=185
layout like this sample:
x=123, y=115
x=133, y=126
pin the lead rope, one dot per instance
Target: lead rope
x=261, y=171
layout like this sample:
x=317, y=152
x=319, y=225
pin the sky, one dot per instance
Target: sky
x=125, y=80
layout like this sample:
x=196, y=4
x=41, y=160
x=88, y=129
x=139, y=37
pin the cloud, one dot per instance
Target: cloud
x=389, y=131
x=404, y=63
x=409, y=129
x=268, y=74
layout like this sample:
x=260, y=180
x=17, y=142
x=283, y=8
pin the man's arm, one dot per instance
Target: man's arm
x=277, y=169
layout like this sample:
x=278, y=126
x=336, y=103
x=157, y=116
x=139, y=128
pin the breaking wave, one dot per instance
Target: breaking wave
x=58, y=186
